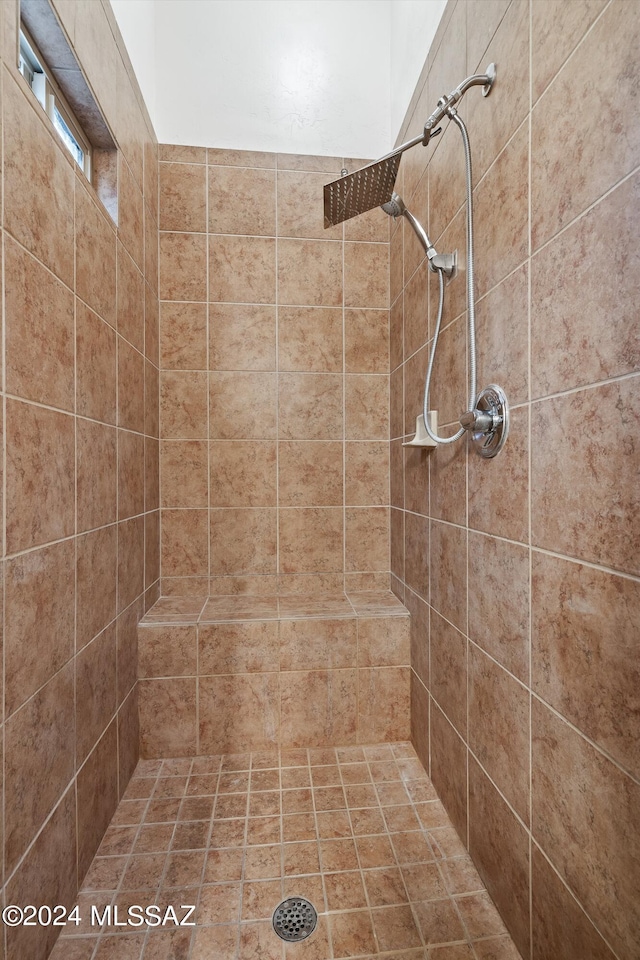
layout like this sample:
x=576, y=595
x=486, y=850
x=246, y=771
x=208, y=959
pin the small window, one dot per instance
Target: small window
x=48, y=94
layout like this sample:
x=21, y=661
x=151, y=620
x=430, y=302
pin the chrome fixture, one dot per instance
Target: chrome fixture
x=445, y=262
x=487, y=415
x=488, y=423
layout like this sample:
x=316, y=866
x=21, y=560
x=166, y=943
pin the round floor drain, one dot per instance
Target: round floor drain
x=294, y=919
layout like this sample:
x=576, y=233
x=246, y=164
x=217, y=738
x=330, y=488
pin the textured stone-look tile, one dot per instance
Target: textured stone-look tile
x=575, y=788
x=303, y=161
x=97, y=787
x=166, y=651
x=167, y=717
x=396, y=545
x=234, y=399
x=40, y=475
x=318, y=644
x=183, y=197
x=502, y=336
x=311, y=540
x=240, y=607
x=448, y=670
x=243, y=474
x=366, y=474
x=366, y=407
x=448, y=564
x=310, y=406
x=383, y=641
x=242, y=269
x=580, y=332
x=396, y=403
x=416, y=537
x=310, y=474
x=237, y=647
x=499, y=728
x=417, y=486
x=184, y=469
x=131, y=370
x=560, y=928
x=352, y=934
x=238, y=158
x=39, y=331
x=310, y=273
x=242, y=201
x=130, y=474
x=366, y=342
x=96, y=571
x=505, y=187
x=366, y=275
x=95, y=256
x=39, y=630
x=39, y=761
x=301, y=206
x=499, y=618
x=49, y=871
x=418, y=635
x=95, y=691
x=130, y=300
x=505, y=515
x=372, y=226
x=318, y=707
x=95, y=366
x=449, y=768
x=239, y=712
x=183, y=336
x=383, y=704
x=557, y=29
x=183, y=405
x=243, y=541
x=557, y=195
x=185, y=548
x=585, y=651
x=367, y=538
x=183, y=266
x=490, y=129
x=565, y=515
x=38, y=185
x=442, y=475
x=242, y=337
x=130, y=560
x=310, y=339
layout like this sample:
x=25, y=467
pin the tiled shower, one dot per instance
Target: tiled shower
x=253, y=647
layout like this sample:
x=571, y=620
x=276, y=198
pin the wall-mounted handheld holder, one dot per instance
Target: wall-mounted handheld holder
x=422, y=438
x=488, y=424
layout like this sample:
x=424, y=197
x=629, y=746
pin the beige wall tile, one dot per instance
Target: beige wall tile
x=39, y=331
x=367, y=538
x=95, y=366
x=130, y=299
x=318, y=707
x=242, y=201
x=183, y=405
x=310, y=406
x=383, y=704
x=95, y=690
x=168, y=726
x=183, y=197
x=366, y=474
x=366, y=275
x=184, y=471
x=185, y=548
x=383, y=641
x=95, y=256
x=310, y=339
x=319, y=644
x=97, y=477
x=310, y=273
x=40, y=476
x=242, y=269
x=183, y=336
x=311, y=540
x=310, y=474
x=243, y=474
x=243, y=541
x=448, y=659
x=242, y=337
x=167, y=651
x=301, y=206
x=242, y=406
x=238, y=712
x=225, y=648
x=366, y=407
x=183, y=258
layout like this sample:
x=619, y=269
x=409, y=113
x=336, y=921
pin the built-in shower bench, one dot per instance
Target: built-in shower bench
x=234, y=673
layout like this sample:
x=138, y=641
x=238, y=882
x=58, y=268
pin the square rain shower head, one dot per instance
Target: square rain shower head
x=369, y=187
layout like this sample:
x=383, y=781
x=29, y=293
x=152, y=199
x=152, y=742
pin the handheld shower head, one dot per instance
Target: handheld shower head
x=394, y=207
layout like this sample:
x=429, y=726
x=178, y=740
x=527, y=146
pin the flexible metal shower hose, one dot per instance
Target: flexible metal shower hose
x=471, y=303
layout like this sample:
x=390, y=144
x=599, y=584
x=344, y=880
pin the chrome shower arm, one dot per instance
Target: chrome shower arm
x=485, y=80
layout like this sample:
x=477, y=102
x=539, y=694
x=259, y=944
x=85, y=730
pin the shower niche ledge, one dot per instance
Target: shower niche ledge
x=227, y=674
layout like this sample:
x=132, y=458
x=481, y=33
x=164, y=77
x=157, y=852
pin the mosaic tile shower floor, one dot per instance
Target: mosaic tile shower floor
x=358, y=831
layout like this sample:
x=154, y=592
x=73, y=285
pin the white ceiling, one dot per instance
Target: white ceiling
x=329, y=77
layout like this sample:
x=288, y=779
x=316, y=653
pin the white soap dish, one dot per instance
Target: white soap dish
x=422, y=438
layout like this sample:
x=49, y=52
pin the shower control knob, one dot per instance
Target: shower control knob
x=477, y=420
x=488, y=424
